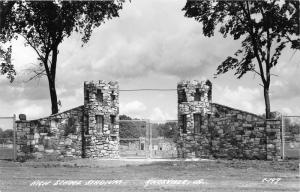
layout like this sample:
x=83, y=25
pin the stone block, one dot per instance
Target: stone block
x=68, y=141
x=246, y=125
x=22, y=117
x=37, y=155
x=36, y=136
x=248, y=117
x=49, y=150
x=270, y=146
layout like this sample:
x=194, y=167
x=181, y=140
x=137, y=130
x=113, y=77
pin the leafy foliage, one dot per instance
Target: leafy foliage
x=265, y=28
x=45, y=24
x=132, y=129
x=124, y=117
x=8, y=133
x=5, y=65
x=261, y=24
x=292, y=127
x=136, y=129
x=166, y=130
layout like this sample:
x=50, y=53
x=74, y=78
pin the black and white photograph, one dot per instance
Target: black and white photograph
x=149, y=95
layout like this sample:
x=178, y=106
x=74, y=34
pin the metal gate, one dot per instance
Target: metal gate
x=8, y=138
x=147, y=139
x=290, y=137
x=163, y=137
x=134, y=138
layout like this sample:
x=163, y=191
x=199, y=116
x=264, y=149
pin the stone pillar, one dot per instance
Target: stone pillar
x=273, y=128
x=25, y=141
x=193, y=102
x=101, y=128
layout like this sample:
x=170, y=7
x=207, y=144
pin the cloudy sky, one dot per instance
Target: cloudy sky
x=151, y=45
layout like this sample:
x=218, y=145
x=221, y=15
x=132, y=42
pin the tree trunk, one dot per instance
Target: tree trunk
x=267, y=102
x=53, y=96
x=51, y=80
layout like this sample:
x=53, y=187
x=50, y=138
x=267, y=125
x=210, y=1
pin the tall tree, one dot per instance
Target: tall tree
x=45, y=24
x=265, y=28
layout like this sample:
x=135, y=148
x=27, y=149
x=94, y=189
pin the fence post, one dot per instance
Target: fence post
x=282, y=136
x=150, y=140
x=14, y=137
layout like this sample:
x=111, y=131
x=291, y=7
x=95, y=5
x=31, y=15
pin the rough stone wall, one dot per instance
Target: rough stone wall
x=90, y=131
x=236, y=134
x=189, y=143
x=101, y=98
x=54, y=137
x=225, y=132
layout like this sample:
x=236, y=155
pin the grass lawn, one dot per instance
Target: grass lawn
x=218, y=175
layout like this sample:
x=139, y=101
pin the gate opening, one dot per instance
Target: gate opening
x=163, y=139
x=134, y=138
x=148, y=139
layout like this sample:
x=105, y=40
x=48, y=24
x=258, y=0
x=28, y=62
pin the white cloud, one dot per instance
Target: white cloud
x=158, y=115
x=133, y=109
x=277, y=83
x=71, y=98
x=151, y=45
x=33, y=110
x=248, y=99
x=287, y=88
x=287, y=111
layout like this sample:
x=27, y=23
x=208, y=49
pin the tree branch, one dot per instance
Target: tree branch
x=274, y=75
x=269, y=42
x=40, y=56
x=37, y=75
x=256, y=72
x=37, y=51
x=255, y=48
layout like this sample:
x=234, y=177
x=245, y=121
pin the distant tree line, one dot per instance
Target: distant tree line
x=6, y=135
x=136, y=129
x=131, y=129
x=292, y=127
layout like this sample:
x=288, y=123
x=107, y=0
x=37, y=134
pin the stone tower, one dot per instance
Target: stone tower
x=194, y=100
x=101, y=130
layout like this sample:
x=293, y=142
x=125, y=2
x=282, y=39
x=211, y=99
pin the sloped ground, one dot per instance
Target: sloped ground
x=138, y=175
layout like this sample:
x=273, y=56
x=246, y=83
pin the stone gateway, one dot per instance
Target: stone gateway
x=206, y=129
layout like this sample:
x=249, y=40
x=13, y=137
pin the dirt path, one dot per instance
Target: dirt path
x=138, y=176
